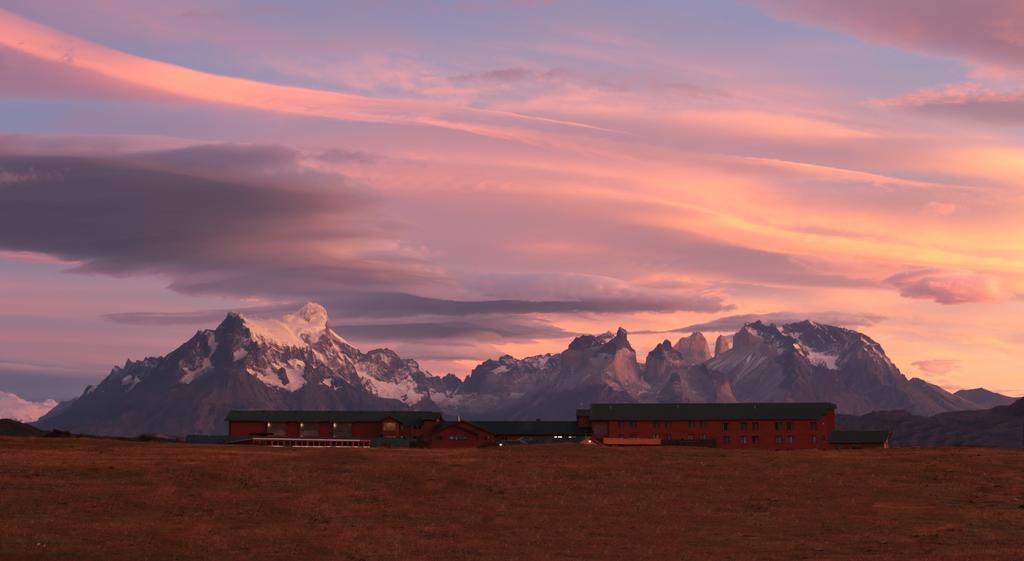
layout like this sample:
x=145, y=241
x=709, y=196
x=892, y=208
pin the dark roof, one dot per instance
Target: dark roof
x=524, y=428
x=215, y=439
x=404, y=417
x=858, y=436
x=583, y=412
x=708, y=411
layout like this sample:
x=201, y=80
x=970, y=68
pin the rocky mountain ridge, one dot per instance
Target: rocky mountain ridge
x=299, y=362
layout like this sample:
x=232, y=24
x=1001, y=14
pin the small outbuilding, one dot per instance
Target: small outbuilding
x=474, y=434
x=854, y=439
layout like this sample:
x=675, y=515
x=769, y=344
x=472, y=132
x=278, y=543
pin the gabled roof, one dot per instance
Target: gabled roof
x=413, y=418
x=858, y=436
x=522, y=428
x=708, y=411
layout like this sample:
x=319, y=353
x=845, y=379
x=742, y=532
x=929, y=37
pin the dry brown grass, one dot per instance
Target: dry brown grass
x=100, y=499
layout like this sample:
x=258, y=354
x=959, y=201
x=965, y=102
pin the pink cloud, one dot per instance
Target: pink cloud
x=947, y=287
x=936, y=208
x=939, y=366
x=968, y=100
x=980, y=31
x=116, y=69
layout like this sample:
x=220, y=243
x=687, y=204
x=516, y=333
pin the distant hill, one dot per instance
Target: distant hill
x=10, y=427
x=985, y=399
x=1001, y=427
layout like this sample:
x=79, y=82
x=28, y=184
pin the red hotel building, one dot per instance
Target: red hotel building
x=330, y=427
x=767, y=426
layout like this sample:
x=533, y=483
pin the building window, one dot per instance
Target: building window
x=656, y=424
x=755, y=439
x=725, y=426
x=778, y=425
x=814, y=440
x=632, y=424
x=689, y=437
x=703, y=436
x=743, y=440
x=622, y=424
x=755, y=426
x=814, y=425
x=668, y=424
x=726, y=440
x=790, y=440
x=778, y=440
x=743, y=426
x=689, y=424
x=703, y=424
x=789, y=426
x=390, y=426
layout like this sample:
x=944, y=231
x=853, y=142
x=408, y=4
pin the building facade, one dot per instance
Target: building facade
x=332, y=425
x=767, y=426
x=764, y=426
x=475, y=434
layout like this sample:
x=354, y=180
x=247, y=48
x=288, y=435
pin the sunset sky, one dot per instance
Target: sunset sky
x=459, y=180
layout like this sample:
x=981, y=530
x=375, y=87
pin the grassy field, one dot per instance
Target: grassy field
x=90, y=499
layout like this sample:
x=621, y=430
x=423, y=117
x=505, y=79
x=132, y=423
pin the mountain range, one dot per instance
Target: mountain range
x=299, y=362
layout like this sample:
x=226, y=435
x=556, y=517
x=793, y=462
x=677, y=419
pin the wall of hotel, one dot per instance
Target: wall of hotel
x=790, y=434
x=461, y=436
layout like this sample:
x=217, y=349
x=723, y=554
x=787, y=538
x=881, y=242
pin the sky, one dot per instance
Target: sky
x=463, y=179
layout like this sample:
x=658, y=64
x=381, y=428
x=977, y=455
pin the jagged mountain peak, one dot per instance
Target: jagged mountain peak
x=590, y=341
x=297, y=329
x=722, y=344
x=694, y=348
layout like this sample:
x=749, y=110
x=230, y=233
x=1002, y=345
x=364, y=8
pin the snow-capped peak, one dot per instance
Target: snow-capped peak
x=298, y=329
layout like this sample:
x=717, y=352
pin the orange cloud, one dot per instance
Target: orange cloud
x=948, y=287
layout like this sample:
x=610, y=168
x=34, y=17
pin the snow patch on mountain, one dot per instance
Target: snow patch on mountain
x=298, y=329
x=828, y=360
x=192, y=369
x=287, y=375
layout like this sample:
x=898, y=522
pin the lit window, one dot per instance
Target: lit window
x=814, y=440
x=790, y=440
x=743, y=440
